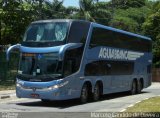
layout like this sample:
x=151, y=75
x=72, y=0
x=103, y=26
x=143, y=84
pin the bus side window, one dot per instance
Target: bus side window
x=97, y=68
x=69, y=67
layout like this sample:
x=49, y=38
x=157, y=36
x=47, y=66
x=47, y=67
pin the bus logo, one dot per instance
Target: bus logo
x=118, y=54
x=34, y=89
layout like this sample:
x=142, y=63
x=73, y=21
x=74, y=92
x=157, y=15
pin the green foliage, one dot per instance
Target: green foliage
x=101, y=14
x=130, y=19
x=152, y=28
x=13, y=19
x=86, y=7
x=125, y=4
x=121, y=20
x=96, y=12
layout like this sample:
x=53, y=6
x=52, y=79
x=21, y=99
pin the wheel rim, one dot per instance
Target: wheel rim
x=96, y=93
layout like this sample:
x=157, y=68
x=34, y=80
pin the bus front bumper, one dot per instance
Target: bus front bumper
x=49, y=94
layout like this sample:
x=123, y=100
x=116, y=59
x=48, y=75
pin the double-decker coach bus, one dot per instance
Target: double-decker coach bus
x=66, y=59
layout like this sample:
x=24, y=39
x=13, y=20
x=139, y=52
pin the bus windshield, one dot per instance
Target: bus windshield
x=50, y=31
x=40, y=65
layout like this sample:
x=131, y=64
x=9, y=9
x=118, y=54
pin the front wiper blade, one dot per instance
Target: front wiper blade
x=54, y=75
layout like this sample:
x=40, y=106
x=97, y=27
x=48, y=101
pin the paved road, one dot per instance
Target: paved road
x=109, y=103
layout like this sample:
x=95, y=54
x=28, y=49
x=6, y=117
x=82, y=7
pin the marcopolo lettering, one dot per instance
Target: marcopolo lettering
x=118, y=54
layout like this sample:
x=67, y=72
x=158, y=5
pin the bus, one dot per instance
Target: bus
x=65, y=59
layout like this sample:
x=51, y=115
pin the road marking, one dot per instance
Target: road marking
x=123, y=110
x=147, y=98
x=131, y=105
x=137, y=102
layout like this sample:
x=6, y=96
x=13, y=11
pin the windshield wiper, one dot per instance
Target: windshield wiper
x=54, y=75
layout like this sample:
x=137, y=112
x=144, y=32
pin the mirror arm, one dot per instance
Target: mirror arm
x=17, y=46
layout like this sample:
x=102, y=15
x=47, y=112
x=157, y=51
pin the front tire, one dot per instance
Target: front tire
x=84, y=94
x=96, y=94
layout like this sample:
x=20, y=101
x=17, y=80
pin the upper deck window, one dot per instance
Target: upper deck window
x=111, y=38
x=51, y=31
x=78, y=32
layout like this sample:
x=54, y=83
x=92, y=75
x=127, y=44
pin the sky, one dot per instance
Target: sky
x=71, y=3
x=74, y=3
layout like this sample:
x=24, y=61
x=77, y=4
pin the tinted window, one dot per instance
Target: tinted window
x=78, y=32
x=39, y=64
x=40, y=32
x=104, y=37
x=121, y=68
x=101, y=68
x=97, y=68
x=72, y=60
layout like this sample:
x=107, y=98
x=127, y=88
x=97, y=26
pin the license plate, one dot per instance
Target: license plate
x=35, y=95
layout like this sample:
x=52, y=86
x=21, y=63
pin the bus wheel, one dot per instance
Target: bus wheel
x=139, y=87
x=96, y=94
x=134, y=88
x=84, y=94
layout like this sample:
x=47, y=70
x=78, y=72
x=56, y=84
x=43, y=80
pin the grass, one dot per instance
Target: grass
x=7, y=85
x=149, y=105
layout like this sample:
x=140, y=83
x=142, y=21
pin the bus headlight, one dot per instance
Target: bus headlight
x=19, y=84
x=58, y=85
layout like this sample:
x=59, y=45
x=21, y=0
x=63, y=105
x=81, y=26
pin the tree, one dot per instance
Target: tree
x=14, y=18
x=86, y=7
x=71, y=12
x=94, y=11
x=101, y=14
x=54, y=9
x=130, y=19
x=152, y=28
x=125, y=4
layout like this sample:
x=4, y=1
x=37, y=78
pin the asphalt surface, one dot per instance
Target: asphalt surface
x=27, y=108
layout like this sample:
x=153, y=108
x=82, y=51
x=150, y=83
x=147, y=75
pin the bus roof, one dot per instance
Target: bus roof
x=120, y=31
x=59, y=20
x=94, y=24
